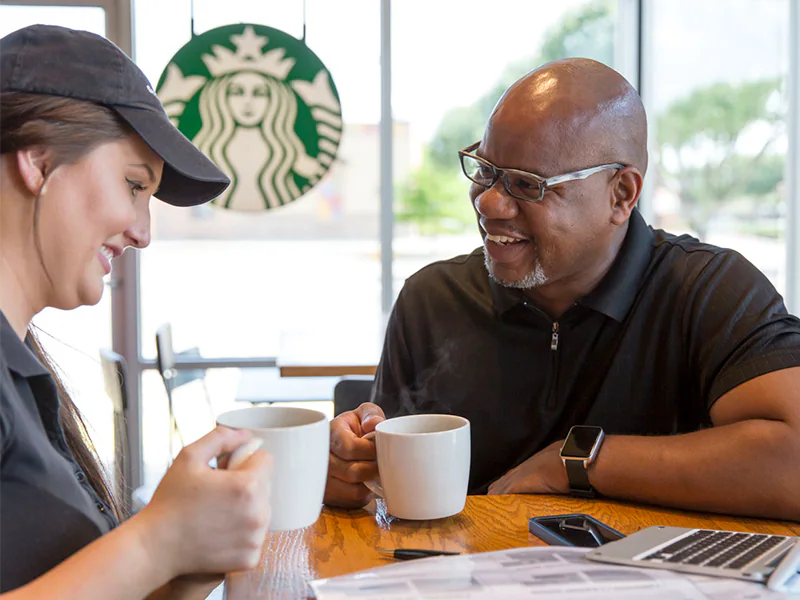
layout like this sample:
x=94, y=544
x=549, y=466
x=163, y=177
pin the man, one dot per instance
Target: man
x=575, y=312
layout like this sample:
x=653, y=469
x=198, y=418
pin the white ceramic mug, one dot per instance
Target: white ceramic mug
x=423, y=462
x=298, y=439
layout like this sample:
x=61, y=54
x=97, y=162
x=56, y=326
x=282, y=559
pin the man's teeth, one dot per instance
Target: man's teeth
x=107, y=253
x=502, y=239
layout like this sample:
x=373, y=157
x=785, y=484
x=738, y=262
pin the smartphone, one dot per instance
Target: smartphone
x=573, y=530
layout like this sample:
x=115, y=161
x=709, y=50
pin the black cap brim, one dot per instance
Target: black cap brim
x=189, y=177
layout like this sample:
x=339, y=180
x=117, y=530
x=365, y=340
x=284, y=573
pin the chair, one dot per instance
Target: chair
x=174, y=378
x=350, y=393
x=115, y=379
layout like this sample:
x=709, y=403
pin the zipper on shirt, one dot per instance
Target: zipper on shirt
x=551, y=398
x=554, y=337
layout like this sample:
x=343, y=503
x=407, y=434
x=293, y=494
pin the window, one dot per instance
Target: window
x=230, y=281
x=449, y=69
x=232, y=284
x=717, y=109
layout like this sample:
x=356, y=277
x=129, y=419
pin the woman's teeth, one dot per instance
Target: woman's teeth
x=107, y=253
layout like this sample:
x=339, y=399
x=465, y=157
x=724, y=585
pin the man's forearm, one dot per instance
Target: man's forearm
x=750, y=468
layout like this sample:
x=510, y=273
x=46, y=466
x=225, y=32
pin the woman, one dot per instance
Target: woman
x=84, y=143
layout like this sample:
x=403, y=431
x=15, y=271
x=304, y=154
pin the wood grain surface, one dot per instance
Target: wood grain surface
x=345, y=541
x=326, y=370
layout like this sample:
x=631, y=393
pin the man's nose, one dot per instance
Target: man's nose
x=495, y=202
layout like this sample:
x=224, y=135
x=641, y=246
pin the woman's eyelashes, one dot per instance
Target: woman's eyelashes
x=135, y=187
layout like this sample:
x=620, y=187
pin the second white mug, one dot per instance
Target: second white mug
x=423, y=461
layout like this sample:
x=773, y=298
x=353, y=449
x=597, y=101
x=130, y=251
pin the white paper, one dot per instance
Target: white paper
x=536, y=572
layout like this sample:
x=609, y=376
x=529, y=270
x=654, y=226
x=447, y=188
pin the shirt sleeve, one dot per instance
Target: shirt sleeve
x=738, y=327
x=395, y=374
x=6, y=388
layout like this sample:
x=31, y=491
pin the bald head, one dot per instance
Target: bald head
x=584, y=112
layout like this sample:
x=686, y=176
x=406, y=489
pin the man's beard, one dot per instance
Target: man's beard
x=533, y=279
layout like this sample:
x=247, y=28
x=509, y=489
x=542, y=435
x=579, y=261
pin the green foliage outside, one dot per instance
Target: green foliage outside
x=420, y=204
x=434, y=197
x=708, y=123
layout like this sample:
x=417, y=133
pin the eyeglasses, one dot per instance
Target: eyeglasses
x=523, y=186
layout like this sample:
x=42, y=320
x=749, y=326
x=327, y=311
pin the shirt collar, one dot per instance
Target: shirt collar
x=614, y=295
x=505, y=298
x=17, y=355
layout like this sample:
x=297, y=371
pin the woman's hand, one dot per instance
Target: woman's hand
x=204, y=520
x=188, y=587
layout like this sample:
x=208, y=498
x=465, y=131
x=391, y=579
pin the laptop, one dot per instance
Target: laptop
x=750, y=556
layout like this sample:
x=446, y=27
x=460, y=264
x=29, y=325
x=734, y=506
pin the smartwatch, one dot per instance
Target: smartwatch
x=580, y=449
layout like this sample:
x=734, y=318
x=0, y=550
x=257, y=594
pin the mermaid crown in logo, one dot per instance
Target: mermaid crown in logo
x=248, y=56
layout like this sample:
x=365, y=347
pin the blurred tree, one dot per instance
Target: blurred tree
x=702, y=152
x=422, y=202
x=430, y=197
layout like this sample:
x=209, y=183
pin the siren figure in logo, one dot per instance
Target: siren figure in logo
x=248, y=114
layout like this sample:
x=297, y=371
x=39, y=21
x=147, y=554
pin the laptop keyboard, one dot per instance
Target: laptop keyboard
x=724, y=549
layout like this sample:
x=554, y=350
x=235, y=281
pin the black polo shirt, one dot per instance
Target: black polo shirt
x=674, y=325
x=48, y=511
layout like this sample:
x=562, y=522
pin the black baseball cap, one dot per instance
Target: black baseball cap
x=45, y=59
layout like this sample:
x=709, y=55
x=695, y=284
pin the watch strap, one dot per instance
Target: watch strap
x=578, y=478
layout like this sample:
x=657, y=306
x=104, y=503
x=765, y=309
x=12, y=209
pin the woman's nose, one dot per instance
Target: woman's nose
x=138, y=234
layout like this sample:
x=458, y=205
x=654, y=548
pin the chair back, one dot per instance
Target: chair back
x=166, y=361
x=114, y=372
x=173, y=377
x=115, y=377
x=350, y=393
x=165, y=355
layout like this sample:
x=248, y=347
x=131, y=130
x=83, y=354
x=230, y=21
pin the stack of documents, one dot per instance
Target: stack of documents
x=536, y=572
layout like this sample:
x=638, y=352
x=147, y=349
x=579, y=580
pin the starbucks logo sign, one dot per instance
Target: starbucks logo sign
x=261, y=105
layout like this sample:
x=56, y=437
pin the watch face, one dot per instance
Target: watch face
x=580, y=441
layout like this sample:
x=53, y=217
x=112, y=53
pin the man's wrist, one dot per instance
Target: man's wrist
x=579, y=451
x=598, y=470
x=563, y=481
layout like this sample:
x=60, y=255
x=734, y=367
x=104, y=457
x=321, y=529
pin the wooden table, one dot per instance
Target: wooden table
x=326, y=369
x=345, y=541
x=332, y=352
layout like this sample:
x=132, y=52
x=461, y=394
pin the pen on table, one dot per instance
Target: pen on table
x=409, y=553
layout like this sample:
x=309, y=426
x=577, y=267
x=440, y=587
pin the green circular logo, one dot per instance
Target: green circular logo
x=261, y=105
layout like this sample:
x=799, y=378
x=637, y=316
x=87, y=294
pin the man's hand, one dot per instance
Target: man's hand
x=352, y=459
x=542, y=473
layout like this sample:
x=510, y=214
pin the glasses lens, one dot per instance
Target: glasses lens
x=524, y=187
x=478, y=171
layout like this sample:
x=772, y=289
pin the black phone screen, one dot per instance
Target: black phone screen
x=573, y=530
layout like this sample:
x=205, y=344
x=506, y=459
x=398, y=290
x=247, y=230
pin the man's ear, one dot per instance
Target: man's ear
x=34, y=166
x=626, y=189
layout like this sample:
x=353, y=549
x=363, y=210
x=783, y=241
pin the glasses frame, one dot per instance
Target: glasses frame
x=544, y=182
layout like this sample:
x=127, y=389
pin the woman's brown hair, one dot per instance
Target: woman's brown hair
x=69, y=129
